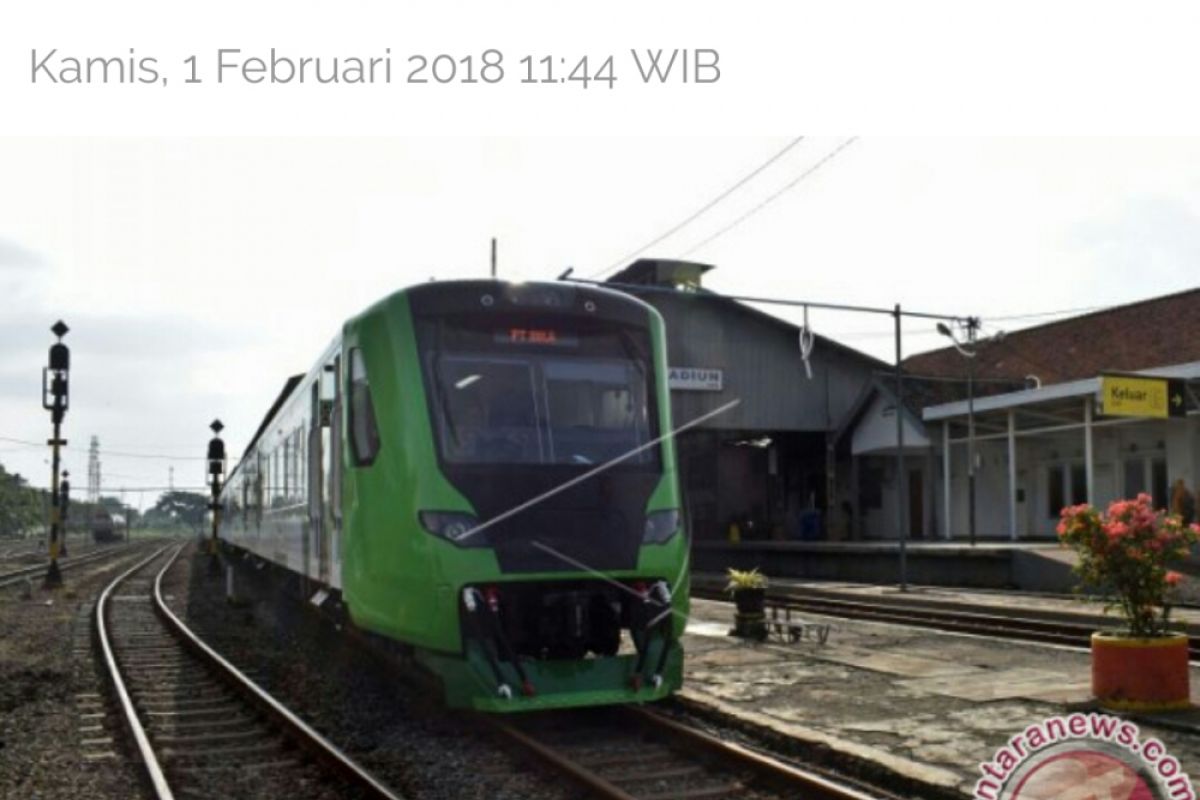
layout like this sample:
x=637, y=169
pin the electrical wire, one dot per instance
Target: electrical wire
x=678, y=226
x=772, y=198
x=105, y=453
x=1043, y=314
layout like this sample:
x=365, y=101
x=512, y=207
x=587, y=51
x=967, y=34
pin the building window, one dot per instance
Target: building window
x=1055, y=480
x=364, y=434
x=1078, y=484
x=1158, y=483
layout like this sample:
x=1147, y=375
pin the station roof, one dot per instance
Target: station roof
x=680, y=279
x=1146, y=334
x=1048, y=394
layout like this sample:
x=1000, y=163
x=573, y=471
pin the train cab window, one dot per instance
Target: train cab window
x=364, y=434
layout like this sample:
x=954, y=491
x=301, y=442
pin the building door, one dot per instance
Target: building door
x=916, y=504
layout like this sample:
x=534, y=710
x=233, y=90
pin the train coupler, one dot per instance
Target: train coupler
x=483, y=610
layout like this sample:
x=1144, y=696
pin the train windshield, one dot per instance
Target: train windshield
x=518, y=396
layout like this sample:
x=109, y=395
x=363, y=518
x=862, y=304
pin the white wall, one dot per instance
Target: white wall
x=880, y=523
x=1176, y=441
x=876, y=431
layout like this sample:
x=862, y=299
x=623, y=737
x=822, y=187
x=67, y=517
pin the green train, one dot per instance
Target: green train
x=481, y=471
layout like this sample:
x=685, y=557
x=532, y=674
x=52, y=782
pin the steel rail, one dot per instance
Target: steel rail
x=18, y=575
x=150, y=762
x=685, y=741
x=295, y=727
x=1060, y=632
x=816, y=787
x=586, y=777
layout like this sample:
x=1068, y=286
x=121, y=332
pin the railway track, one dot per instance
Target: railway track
x=200, y=727
x=13, y=552
x=1016, y=626
x=35, y=549
x=35, y=571
x=629, y=753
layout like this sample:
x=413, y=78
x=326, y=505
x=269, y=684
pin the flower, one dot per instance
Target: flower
x=1126, y=553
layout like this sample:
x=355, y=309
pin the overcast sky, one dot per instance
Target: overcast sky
x=197, y=274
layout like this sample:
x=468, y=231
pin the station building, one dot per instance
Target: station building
x=1047, y=429
x=769, y=465
x=803, y=458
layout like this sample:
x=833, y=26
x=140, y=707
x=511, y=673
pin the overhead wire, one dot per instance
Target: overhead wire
x=106, y=453
x=680, y=225
x=775, y=196
x=1043, y=314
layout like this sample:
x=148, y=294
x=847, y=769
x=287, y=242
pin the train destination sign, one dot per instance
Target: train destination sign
x=546, y=336
x=1139, y=396
x=696, y=379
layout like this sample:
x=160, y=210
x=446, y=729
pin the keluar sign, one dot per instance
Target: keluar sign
x=1141, y=396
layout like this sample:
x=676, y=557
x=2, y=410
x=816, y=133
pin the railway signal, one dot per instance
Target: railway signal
x=216, y=471
x=55, y=400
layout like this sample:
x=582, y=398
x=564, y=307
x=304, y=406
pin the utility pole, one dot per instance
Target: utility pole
x=972, y=332
x=55, y=400
x=901, y=493
x=493, y=257
x=170, y=479
x=970, y=350
x=93, y=494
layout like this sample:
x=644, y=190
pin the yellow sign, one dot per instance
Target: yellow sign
x=1126, y=396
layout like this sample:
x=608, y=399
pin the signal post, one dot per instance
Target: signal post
x=64, y=501
x=55, y=400
x=216, y=471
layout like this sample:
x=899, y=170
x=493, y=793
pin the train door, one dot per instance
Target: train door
x=313, y=543
x=331, y=437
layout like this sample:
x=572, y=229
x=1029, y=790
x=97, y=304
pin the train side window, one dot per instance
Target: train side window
x=364, y=434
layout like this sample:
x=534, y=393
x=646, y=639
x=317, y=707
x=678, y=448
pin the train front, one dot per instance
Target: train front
x=560, y=530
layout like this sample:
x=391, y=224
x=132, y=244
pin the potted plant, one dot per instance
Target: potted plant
x=749, y=591
x=1125, y=555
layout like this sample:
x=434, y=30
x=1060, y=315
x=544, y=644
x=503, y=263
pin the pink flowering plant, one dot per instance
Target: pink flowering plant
x=1125, y=554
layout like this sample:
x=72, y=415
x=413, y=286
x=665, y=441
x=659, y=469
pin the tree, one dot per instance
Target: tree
x=22, y=507
x=179, y=508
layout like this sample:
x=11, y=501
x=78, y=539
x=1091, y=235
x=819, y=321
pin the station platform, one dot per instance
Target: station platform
x=1041, y=566
x=915, y=707
x=1001, y=602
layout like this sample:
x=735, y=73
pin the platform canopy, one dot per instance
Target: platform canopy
x=1073, y=412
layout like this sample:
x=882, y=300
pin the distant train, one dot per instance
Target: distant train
x=480, y=470
x=106, y=527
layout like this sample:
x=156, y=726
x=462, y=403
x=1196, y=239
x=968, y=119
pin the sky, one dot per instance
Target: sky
x=197, y=274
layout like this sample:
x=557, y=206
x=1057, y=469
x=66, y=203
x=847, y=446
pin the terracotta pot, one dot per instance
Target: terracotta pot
x=1141, y=674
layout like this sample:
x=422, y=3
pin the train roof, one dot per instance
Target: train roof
x=561, y=297
x=289, y=386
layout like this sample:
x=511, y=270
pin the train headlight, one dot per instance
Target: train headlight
x=660, y=526
x=453, y=526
